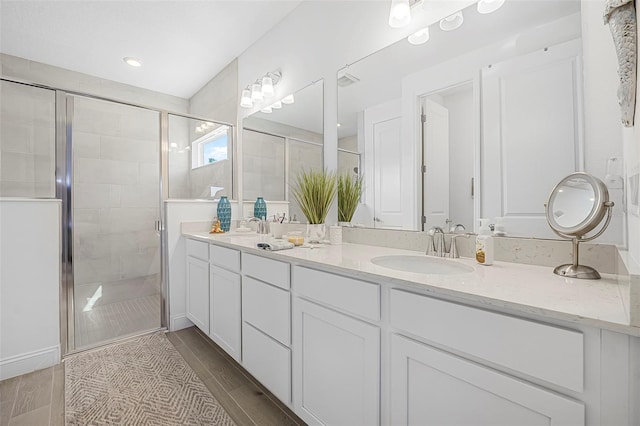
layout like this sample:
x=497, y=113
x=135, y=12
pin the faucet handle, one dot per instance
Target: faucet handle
x=453, y=250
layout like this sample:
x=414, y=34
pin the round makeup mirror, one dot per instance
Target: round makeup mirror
x=576, y=206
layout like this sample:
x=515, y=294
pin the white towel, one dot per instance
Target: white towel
x=276, y=245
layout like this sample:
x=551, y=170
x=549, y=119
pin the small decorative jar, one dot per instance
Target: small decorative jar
x=224, y=213
x=260, y=209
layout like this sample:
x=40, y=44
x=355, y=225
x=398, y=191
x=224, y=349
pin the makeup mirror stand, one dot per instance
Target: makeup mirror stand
x=574, y=269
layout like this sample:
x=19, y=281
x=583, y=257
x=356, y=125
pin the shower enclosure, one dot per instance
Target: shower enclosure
x=108, y=163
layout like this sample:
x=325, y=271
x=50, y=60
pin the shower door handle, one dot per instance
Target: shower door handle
x=157, y=226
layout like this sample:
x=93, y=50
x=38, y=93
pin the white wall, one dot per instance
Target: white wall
x=29, y=285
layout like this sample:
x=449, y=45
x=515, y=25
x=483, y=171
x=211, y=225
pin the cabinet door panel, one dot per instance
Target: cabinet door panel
x=268, y=361
x=198, y=293
x=225, y=318
x=432, y=387
x=337, y=367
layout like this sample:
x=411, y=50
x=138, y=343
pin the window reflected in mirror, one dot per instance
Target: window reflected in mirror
x=200, y=158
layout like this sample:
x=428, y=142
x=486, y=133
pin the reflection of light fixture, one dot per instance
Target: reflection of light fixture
x=267, y=87
x=245, y=100
x=276, y=105
x=339, y=125
x=137, y=63
x=452, y=22
x=256, y=92
x=267, y=110
x=488, y=6
x=419, y=37
x=399, y=14
x=289, y=99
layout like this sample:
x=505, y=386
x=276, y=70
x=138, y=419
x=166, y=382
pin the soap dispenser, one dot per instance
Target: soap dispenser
x=484, y=244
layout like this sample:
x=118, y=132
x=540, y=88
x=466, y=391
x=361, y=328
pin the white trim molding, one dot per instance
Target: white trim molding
x=30, y=361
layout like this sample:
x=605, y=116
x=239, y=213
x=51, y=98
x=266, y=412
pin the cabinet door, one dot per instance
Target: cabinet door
x=225, y=315
x=432, y=387
x=198, y=293
x=337, y=367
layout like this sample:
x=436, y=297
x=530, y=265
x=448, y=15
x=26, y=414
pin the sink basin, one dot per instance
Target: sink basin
x=421, y=265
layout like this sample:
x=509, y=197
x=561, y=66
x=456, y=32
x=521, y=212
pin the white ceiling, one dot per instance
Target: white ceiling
x=182, y=44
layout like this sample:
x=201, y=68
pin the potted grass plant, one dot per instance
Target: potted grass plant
x=314, y=191
x=350, y=189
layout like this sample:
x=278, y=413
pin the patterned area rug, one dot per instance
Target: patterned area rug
x=143, y=381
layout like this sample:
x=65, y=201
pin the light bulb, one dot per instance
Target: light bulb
x=452, y=22
x=245, y=100
x=277, y=105
x=488, y=6
x=267, y=110
x=256, y=93
x=419, y=37
x=399, y=14
x=289, y=99
x=267, y=87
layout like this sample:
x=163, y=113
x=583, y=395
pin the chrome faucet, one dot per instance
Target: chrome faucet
x=263, y=225
x=454, y=228
x=436, y=244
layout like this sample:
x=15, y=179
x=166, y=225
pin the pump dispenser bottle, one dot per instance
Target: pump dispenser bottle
x=484, y=244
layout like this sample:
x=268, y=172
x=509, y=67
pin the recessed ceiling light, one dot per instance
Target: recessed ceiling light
x=132, y=61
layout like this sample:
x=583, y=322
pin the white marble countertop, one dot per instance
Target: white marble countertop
x=507, y=287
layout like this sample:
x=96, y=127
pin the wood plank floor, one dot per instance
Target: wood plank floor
x=246, y=401
x=38, y=398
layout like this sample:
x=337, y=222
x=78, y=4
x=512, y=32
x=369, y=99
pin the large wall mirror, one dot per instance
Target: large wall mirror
x=200, y=158
x=478, y=122
x=278, y=142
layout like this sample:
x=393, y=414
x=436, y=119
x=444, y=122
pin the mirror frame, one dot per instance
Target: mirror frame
x=595, y=216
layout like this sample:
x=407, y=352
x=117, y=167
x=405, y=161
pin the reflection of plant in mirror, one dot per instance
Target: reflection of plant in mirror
x=314, y=191
x=349, y=192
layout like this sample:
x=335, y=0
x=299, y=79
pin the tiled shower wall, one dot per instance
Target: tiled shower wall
x=27, y=141
x=116, y=196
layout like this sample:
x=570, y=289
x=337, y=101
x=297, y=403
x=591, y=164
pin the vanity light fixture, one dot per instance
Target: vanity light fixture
x=399, y=14
x=489, y=6
x=134, y=62
x=288, y=100
x=452, y=22
x=267, y=87
x=277, y=105
x=245, y=99
x=256, y=92
x=419, y=37
x=267, y=110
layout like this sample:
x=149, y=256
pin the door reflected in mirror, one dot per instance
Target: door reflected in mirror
x=277, y=145
x=477, y=122
x=573, y=202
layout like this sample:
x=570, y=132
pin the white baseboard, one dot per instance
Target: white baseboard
x=178, y=322
x=28, y=362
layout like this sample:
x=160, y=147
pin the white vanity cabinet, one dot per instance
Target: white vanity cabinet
x=266, y=325
x=197, y=278
x=336, y=355
x=225, y=291
x=432, y=386
x=429, y=386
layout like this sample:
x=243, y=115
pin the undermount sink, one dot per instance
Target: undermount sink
x=421, y=265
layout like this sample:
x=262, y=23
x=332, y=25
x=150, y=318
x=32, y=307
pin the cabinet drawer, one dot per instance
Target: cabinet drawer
x=198, y=249
x=267, y=308
x=225, y=258
x=268, y=361
x=545, y=352
x=358, y=297
x=267, y=270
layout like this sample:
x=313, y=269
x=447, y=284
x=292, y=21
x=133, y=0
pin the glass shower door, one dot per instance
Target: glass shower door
x=115, y=202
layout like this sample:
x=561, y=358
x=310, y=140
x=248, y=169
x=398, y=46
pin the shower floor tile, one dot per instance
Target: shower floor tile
x=103, y=313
